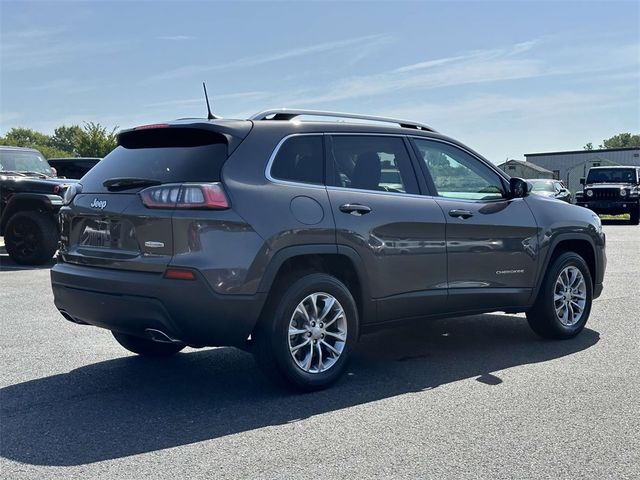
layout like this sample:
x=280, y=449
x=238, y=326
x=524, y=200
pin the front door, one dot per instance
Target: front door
x=491, y=240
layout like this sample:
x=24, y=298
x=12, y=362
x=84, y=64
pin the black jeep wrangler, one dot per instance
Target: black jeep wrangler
x=30, y=198
x=612, y=191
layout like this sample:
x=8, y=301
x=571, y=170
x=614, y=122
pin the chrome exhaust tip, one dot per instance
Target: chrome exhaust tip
x=161, y=337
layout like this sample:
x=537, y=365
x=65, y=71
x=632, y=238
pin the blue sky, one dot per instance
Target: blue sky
x=507, y=78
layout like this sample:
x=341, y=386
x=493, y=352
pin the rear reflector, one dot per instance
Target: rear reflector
x=209, y=196
x=175, y=274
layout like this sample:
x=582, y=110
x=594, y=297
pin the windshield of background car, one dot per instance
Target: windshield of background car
x=22, y=161
x=543, y=187
x=613, y=175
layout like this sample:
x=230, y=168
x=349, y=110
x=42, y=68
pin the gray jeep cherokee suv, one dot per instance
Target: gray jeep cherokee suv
x=281, y=237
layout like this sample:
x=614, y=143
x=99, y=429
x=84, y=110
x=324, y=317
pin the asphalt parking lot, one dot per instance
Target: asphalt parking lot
x=473, y=397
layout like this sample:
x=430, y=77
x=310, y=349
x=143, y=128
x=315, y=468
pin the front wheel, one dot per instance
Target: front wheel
x=564, y=301
x=145, y=347
x=635, y=216
x=31, y=237
x=306, y=334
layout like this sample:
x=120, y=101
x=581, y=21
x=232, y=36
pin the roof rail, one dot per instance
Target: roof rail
x=289, y=114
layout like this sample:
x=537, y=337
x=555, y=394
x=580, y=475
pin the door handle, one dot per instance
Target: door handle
x=355, y=209
x=464, y=214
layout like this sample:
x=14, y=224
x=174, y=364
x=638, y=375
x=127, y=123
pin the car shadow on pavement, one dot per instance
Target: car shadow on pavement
x=133, y=405
x=8, y=265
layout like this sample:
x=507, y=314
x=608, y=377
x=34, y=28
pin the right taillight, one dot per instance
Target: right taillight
x=208, y=196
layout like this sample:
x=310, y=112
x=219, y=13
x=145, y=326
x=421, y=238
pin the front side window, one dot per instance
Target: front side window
x=370, y=162
x=456, y=174
x=300, y=159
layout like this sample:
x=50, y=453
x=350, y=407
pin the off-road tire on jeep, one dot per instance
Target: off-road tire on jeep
x=634, y=216
x=543, y=317
x=146, y=348
x=273, y=340
x=31, y=237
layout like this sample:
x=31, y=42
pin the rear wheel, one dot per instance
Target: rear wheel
x=31, y=238
x=306, y=334
x=564, y=301
x=145, y=347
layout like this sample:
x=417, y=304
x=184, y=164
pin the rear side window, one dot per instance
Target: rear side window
x=300, y=159
x=370, y=162
x=167, y=164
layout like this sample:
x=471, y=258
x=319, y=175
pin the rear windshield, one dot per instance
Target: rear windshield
x=167, y=165
x=613, y=175
x=543, y=187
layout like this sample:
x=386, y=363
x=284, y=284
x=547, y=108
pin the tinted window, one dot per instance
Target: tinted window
x=369, y=162
x=300, y=159
x=456, y=174
x=168, y=165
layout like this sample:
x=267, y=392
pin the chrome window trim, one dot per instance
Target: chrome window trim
x=379, y=192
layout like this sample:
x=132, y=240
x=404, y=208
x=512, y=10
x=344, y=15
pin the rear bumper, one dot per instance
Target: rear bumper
x=132, y=302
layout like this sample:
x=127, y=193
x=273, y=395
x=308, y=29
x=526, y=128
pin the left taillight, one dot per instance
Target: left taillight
x=207, y=196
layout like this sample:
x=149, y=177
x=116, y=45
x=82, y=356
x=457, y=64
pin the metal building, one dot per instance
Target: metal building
x=518, y=168
x=573, y=165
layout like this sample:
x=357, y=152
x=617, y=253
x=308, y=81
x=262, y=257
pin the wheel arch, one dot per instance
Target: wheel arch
x=342, y=262
x=28, y=202
x=582, y=244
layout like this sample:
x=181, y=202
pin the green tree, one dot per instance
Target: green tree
x=26, y=137
x=622, y=140
x=588, y=146
x=66, y=138
x=95, y=140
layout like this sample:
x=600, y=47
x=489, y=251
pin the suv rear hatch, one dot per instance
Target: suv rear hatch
x=121, y=214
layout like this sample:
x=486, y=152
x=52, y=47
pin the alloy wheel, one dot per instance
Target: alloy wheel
x=570, y=296
x=317, y=333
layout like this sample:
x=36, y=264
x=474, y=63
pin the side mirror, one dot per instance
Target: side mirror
x=582, y=181
x=518, y=187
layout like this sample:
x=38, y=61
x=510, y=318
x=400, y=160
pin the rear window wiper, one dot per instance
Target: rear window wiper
x=124, y=183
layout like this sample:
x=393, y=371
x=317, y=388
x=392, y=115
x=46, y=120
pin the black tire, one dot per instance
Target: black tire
x=634, y=216
x=542, y=317
x=31, y=238
x=271, y=337
x=145, y=347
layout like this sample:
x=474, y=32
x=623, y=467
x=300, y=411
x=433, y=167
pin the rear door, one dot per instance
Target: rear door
x=380, y=213
x=491, y=240
x=112, y=227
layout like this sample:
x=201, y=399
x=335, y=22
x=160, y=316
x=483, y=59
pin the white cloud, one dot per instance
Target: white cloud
x=252, y=61
x=516, y=62
x=176, y=38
